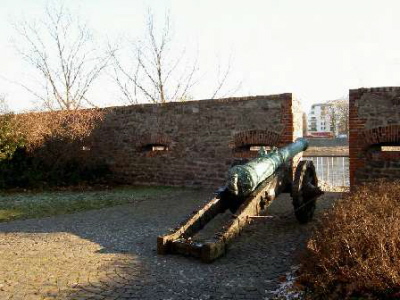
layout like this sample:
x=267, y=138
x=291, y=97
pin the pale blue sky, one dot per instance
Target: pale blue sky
x=316, y=49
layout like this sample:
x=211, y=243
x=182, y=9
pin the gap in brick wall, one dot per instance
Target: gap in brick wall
x=390, y=148
x=331, y=160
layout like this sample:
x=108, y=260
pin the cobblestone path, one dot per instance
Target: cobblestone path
x=111, y=254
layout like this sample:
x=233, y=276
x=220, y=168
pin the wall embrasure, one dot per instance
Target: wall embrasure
x=191, y=143
x=374, y=120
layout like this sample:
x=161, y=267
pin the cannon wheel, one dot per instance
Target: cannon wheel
x=305, y=191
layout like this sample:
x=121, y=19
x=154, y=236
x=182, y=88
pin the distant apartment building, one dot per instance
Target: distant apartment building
x=319, y=119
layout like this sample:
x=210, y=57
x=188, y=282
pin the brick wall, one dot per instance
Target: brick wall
x=374, y=120
x=203, y=138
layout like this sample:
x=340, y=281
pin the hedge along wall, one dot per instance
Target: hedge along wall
x=374, y=119
x=192, y=143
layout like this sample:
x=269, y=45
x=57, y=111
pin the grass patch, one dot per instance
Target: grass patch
x=354, y=253
x=24, y=205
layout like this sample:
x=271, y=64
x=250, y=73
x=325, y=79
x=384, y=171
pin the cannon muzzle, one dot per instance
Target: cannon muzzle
x=244, y=179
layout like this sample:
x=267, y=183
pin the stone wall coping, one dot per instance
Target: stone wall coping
x=206, y=101
x=376, y=89
x=172, y=103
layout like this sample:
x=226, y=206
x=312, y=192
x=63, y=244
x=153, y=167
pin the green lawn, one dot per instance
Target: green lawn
x=24, y=205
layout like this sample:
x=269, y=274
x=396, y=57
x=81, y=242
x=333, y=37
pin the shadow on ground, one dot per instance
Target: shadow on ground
x=111, y=254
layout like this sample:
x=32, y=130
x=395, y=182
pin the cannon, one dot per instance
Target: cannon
x=249, y=189
x=244, y=179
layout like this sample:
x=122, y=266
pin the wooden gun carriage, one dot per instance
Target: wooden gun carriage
x=249, y=189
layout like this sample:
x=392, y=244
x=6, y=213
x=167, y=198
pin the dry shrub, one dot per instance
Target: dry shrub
x=76, y=125
x=53, y=149
x=355, y=249
x=58, y=137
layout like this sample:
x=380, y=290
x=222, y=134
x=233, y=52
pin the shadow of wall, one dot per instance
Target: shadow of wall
x=180, y=144
x=54, y=149
x=112, y=253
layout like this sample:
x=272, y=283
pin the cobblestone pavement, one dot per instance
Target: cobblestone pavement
x=111, y=254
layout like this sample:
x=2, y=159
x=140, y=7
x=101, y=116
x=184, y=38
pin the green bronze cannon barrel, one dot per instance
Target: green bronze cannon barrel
x=244, y=179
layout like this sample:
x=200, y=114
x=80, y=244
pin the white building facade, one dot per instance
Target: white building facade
x=319, y=119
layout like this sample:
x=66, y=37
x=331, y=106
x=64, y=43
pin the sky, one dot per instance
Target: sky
x=315, y=49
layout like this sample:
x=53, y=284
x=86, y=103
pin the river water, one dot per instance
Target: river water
x=333, y=170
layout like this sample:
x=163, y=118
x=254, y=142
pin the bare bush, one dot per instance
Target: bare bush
x=355, y=249
x=55, y=149
x=67, y=125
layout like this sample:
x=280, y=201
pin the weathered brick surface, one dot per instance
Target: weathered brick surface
x=203, y=137
x=374, y=121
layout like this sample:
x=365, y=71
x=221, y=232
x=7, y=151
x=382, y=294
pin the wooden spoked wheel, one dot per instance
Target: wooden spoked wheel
x=305, y=191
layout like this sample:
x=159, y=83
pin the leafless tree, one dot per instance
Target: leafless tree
x=339, y=115
x=223, y=76
x=3, y=105
x=60, y=47
x=160, y=73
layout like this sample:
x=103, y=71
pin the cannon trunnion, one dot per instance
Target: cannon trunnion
x=249, y=189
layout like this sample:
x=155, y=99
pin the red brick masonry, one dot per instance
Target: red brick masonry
x=374, y=120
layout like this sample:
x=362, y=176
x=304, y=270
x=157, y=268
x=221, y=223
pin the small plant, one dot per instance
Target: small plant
x=10, y=136
x=355, y=249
